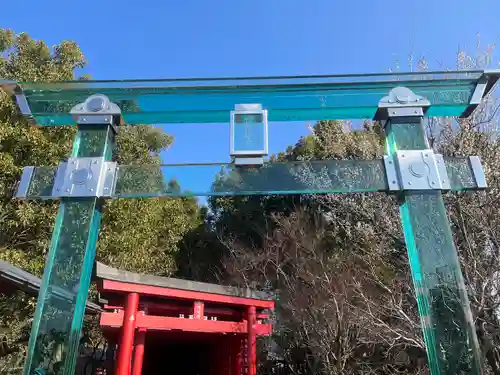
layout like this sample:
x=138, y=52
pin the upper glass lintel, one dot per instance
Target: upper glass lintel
x=297, y=98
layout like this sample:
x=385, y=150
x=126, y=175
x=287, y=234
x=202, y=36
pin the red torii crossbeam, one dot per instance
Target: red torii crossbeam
x=159, y=323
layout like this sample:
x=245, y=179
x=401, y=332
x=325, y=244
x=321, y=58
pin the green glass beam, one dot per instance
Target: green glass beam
x=57, y=323
x=332, y=176
x=222, y=179
x=297, y=98
x=446, y=318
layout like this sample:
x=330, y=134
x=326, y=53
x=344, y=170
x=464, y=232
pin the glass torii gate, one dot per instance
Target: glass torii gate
x=410, y=169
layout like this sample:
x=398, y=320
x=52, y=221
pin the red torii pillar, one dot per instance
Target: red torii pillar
x=252, y=341
x=127, y=334
x=237, y=355
x=140, y=339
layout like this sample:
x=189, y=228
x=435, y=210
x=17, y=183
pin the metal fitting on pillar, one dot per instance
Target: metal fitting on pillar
x=89, y=177
x=416, y=170
x=401, y=102
x=97, y=110
x=84, y=176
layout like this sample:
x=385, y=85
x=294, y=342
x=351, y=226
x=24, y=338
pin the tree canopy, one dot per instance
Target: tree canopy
x=139, y=235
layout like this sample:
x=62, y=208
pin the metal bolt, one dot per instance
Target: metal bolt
x=106, y=118
x=444, y=182
x=106, y=188
x=393, y=112
x=433, y=182
x=390, y=161
x=416, y=111
x=409, y=182
x=73, y=162
x=96, y=104
x=109, y=169
x=402, y=155
x=394, y=182
x=84, y=119
x=57, y=189
x=95, y=161
x=425, y=155
x=91, y=189
x=67, y=190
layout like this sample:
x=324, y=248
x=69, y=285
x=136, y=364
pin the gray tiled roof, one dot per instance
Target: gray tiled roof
x=110, y=273
x=30, y=284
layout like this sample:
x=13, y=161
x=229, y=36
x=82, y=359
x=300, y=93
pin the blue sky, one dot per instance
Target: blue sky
x=195, y=38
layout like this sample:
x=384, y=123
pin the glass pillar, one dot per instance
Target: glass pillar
x=57, y=323
x=443, y=304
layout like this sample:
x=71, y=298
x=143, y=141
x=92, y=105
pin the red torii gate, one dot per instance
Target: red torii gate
x=159, y=322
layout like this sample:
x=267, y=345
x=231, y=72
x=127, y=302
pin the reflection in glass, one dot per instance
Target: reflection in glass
x=460, y=173
x=273, y=178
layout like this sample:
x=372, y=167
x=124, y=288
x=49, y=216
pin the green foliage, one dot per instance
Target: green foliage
x=15, y=324
x=142, y=235
x=138, y=235
x=247, y=218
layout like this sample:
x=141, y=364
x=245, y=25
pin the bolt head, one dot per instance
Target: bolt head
x=96, y=104
x=402, y=155
x=394, y=182
x=91, y=189
x=67, y=190
x=409, y=182
x=390, y=161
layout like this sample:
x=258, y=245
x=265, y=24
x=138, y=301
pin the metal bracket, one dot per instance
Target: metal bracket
x=85, y=177
x=391, y=173
x=405, y=112
x=478, y=172
x=416, y=170
x=248, y=162
x=97, y=109
x=477, y=96
x=401, y=102
x=479, y=91
x=24, y=183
